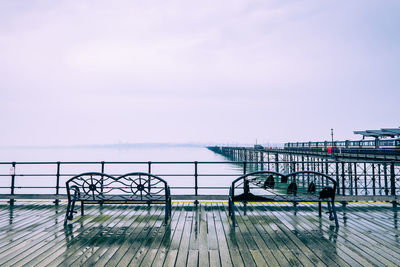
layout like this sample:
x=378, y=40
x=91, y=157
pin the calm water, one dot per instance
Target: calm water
x=176, y=175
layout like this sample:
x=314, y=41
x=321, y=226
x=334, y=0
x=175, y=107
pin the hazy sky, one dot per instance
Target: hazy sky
x=95, y=72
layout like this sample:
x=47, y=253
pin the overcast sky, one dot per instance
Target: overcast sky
x=103, y=72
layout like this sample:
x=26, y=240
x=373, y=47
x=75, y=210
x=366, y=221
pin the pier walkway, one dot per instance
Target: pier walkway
x=267, y=234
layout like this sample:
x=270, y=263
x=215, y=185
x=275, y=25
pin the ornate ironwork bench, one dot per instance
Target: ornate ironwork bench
x=131, y=188
x=269, y=186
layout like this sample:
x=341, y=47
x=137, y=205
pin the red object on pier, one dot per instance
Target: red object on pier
x=329, y=149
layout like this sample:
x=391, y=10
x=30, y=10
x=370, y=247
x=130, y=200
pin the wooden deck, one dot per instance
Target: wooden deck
x=33, y=234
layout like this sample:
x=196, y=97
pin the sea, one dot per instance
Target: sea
x=36, y=168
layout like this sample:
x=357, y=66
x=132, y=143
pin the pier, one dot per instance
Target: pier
x=32, y=234
x=200, y=231
x=358, y=178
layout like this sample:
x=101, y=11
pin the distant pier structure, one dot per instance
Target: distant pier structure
x=364, y=169
x=385, y=145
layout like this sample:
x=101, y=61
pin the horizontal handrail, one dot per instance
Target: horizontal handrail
x=354, y=177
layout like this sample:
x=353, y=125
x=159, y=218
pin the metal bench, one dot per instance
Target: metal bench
x=269, y=186
x=131, y=188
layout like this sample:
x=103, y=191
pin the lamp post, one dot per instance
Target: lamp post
x=332, y=139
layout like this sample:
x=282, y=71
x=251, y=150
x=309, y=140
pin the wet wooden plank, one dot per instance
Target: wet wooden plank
x=342, y=244
x=223, y=227
x=249, y=239
x=139, y=222
x=170, y=258
x=268, y=251
x=193, y=258
x=236, y=234
x=214, y=258
x=170, y=231
x=120, y=242
x=55, y=247
x=292, y=230
x=329, y=240
x=204, y=259
x=85, y=239
x=112, y=240
x=290, y=252
x=140, y=254
x=101, y=243
x=156, y=245
x=18, y=234
x=364, y=231
x=184, y=244
x=358, y=234
x=378, y=226
x=26, y=245
x=143, y=235
x=275, y=235
x=306, y=235
x=225, y=256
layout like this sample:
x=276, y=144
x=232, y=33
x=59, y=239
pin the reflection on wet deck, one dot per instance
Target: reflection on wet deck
x=33, y=234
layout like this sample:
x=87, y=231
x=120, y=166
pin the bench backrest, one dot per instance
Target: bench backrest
x=274, y=183
x=94, y=185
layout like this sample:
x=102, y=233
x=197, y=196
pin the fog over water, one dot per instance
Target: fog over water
x=90, y=72
x=110, y=153
x=184, y=173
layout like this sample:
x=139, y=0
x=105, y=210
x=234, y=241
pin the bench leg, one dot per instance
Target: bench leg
x=319, y=208
x=330, y=211
x=82, y=208
x=232, y=211
x=70, y=211
x=67, y=213
x=170, y=208
x=166, y=213
x=334, y=214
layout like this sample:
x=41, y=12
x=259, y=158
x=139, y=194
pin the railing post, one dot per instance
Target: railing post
x=392, y=182
x=244, y=167
x=196, y=182
x=343, y=180
x=373, y=180
x=365, y=179
x=355, y=178
x=101, y=183
x=149, y=171
x=386, y=180
x=57, y=200
x=102, y=167
x=350, y=177
x=12, y=172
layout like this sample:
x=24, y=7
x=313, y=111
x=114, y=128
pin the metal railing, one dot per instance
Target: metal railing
x=237, y=153
x=197, y=180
